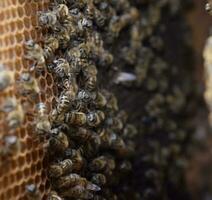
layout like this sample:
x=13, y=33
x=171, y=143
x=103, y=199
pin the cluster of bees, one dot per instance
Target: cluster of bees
x=88, y=140
x=89, y=143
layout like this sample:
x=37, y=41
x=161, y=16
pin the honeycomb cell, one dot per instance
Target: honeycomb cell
x=18, y=24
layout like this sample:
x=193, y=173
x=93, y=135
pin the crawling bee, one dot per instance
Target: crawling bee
x=77, y=192
x=42, y=122
x=63, y=104
x=15, y=117
x=58, y=140
x=28, y=84
x=100, y=100
x=48, y=19
x=58, y=169
x=95, y=118
x=11, y=146
x=9, y=105
x=51, y=44
x=7, y=77
x=208, y=7
x=130, y=131
x=103, y=164
x=35, y=53
x=75, y=179
x=99, y=179
x=60, y=67
x=61, y=11
x=76, y=118
x=90, y=74
x=54, y=196
x=32, y=192
x=83, y=98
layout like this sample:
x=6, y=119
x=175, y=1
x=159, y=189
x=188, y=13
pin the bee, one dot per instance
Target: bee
x=58, y=140
x=77, y=192
x=76, y=118
x=83, y=99
x=60, y=67
x=9, y=105
x=125, y=166
x=75, y=179
x=63, y=105
x=7, y=77
x=54, y=196
x=103, y=164
x=11, y=146
x=35, y=53
x=51, y=44
x=99, y=18
x=90, y=74
x=58, y=169
x=82, y=134
x=32, y=192
x=42, y=122
x=28, y=84
x=15, y=117
x=47, y=19
x=130, y=131
x=64, y=36
x=61, y=11
x=84, y=24
x=100, y=100
x=76, y=157
x=99, y=179
x=112, y=103
x=208, y=7
x=95, y=118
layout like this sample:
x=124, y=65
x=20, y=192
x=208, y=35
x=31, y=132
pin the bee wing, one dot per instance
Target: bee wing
x=92, y=187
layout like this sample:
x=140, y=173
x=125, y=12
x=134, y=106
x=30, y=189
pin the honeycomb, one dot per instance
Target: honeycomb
x=17, y=24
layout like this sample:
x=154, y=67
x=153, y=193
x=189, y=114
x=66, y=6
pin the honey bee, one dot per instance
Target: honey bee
x=130, y=131
x=75, y=179
x=9, y=105
x=28, y=84
x=11, y=146
x=32, y=192
x=15, y=117
x=61, y=11
x=82, y=134
x=58, y=140
x=76, y=118
x=77, y=159
x=208, y=7
x=99, y=18
x=60, y=67
x=77, y=192
x=54, y=196
x=103, y=164
x=84, y=24
x=58, y=169
x=7, y=77
x=35, y=53
x=48, y=19
x=100, y=100
x=99, y=179
x=95, y=118
x=90, y=74
x=63, y=105
x=51, y=44
x=112, y=103
x=64, y=33
x=42, y=122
